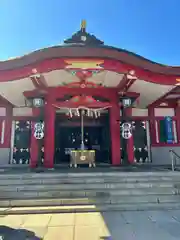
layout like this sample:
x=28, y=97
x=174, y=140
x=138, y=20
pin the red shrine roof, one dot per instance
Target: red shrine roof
x=84, y=57
x=86, y=51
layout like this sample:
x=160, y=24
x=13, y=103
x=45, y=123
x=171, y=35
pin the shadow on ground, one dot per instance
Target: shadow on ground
x=7, y=233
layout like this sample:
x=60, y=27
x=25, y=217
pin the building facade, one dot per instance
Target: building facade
x=85, y=80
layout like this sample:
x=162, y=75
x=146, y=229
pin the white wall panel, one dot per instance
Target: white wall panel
x=164, y=112
x=138, y=112
x=2, y=111
x=22, y=111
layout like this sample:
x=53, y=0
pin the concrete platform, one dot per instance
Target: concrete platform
x=88, y=208
x=97, y=225
x=146, y=167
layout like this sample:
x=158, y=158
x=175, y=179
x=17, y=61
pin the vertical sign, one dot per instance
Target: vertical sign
x=169, y=129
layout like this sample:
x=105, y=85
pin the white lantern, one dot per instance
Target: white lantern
x=38, y=102
x=126, y=102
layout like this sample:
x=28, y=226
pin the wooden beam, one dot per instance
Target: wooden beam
x=128, y=85
x=58, y=92
x=129, y=94
x=162, y=98
x=122, y=83
x=108, y=93
x=35, y=93
x=69, y=104
x=4, y=102
x=174, y=93
x=126, y=82
x=39, y=82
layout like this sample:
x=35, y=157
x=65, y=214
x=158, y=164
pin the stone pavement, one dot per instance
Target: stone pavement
x=93, y=226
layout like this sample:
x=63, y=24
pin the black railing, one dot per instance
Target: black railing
x=174, y=157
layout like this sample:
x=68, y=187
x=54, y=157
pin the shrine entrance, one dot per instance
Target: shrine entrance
x=68, y=137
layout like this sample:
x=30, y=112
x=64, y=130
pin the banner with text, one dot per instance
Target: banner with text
x=169, y=130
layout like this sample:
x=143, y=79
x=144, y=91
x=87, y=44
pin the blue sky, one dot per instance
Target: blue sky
x=150, y=28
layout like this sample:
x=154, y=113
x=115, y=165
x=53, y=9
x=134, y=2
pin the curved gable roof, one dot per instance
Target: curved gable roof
x=83, y=51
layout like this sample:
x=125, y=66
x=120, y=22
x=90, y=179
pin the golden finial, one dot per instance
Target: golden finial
x=83, y=24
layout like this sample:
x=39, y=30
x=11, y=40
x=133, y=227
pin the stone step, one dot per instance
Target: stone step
x=5, y=182
x=88, y=193
x=80, y=186
x=121, y=190
x=89, y=208
x=86, y=201
x=89, y=174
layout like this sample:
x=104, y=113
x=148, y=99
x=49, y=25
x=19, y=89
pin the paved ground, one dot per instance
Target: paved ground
x=146, y=225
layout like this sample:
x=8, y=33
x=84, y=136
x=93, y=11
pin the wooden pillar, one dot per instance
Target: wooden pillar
x=152, y=125
x=130, y=141
x=115, y=134
x=8, y=127
x=177, y=112
x=34, y=142
x=49, y=134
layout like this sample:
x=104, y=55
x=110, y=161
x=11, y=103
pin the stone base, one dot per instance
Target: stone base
x=4, y=156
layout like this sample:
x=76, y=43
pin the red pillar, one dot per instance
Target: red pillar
x=152, y=125
x=130, y=141
x=34, y=143
x=49, y=134
x=115, y=134
x=8, y=127
x=177, y=112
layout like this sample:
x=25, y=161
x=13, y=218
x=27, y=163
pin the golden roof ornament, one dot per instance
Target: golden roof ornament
x=83, y=25
x=82, y=36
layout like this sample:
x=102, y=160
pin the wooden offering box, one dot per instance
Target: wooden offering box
x=82, y=157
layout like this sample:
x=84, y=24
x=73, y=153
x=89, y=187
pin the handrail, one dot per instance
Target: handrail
x=174, y=156
x=178, y=156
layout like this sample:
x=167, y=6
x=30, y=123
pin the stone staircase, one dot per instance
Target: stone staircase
x=92, y=191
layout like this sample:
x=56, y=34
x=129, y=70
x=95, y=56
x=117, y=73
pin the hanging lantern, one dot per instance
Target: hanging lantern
x=91, y=114
x=38, y=102
x=83, y=112
x=70, y=113
x=126, y=102
x=95, y=113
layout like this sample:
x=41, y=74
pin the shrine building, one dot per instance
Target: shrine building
x=85, y=94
